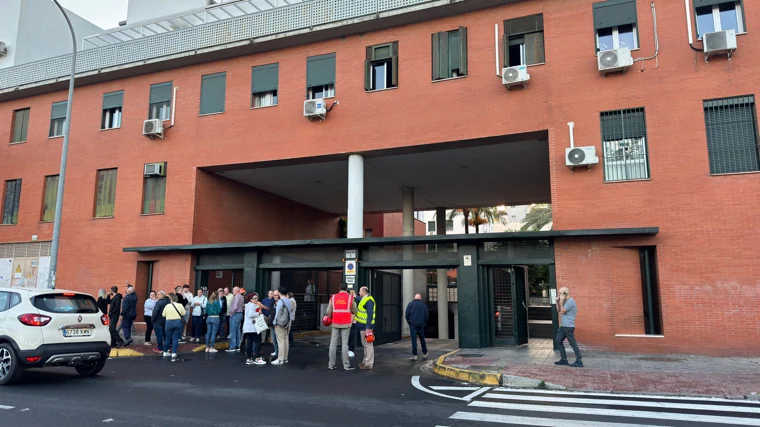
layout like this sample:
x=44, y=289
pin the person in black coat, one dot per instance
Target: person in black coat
x=417, y=316
x=222, y=315
x=114, y=312
x=159, y=321
x=128, y=314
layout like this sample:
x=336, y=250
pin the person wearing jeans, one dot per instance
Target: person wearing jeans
x=282, y=328
x=213, y=308
x=236, y=319
x=159, y=322
x=417, y=316
x=568, y=310
x=253, y=310
x=128, y=314
x=173, y=313
x=198, y=305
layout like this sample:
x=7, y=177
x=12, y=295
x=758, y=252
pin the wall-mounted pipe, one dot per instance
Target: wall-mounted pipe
x=571, y=125
x=174, y=104
x=688, y=22
x=496, y=44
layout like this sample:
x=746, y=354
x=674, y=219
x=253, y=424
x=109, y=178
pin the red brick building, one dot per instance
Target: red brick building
x=671, y=158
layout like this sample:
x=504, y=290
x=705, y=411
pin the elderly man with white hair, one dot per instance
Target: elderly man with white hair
x=568, y=310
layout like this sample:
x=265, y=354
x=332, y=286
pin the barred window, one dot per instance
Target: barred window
x=731, y=125
x=624, y=144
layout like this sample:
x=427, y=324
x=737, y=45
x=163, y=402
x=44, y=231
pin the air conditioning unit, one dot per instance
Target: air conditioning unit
x=719, y=42
x=613, y=60
x=153, y=128
x=315, y=108
x=3, y=49
x=512, y=76
x=155, y=169
x=581, y=156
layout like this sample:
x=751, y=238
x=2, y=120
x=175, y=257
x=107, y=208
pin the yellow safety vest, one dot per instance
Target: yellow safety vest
x=361, y=313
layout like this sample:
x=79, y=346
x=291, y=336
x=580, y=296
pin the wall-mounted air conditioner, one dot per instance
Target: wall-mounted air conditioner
x=719, y=42
x=613, y=60
x=155, y=169
x=153, y=128
x=581, y=156
x=3, y=49
x=512, y=76
x=315, y=109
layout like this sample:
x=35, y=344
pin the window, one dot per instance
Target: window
x=105, y=193
x=112, y=103
x=11, y=199
x=431, y=226
x=449, y=225
x=615, y=25
x=154, y=194
x=264, y=85
x=368, y=232
x=320, y=76
x=5, y=298
x=381, y=67
x=524, y=41
x=718, y=15
x=650, y=288
x=450, y=54
x=213, y=88
x=731, y=125
x=57, y=119
x=48, y=202
x=64, y=303
x=624, y=145
x=20, y=125
x=160, y=101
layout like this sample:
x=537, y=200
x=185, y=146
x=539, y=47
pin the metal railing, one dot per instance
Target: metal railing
x=278, y=20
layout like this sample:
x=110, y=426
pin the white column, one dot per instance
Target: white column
x=355, y=215
x=407, y=275
x=443, y=280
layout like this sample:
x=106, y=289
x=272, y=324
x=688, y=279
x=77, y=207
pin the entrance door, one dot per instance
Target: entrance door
x=510, y=313
x=386, y=289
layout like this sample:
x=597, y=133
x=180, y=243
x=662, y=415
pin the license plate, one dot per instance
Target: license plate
x=77, y=332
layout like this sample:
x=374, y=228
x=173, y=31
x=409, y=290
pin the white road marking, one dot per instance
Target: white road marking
x=451, y=388
x=6, y=407
x=633, y=403
x=418, y=386
x=477, y=393
x=619, y=413
x=108, y=420
x=25, y=409
x=639, y=396
x=544, y=422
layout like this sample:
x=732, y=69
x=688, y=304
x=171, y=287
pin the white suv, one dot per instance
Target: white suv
x=43, y=327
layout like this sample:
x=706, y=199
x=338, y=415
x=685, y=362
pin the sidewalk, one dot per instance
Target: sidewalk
x=528, y=366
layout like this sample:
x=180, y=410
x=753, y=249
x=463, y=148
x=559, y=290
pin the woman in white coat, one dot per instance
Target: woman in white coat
x=251, y=333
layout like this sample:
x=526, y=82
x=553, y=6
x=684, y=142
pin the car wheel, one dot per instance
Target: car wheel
x=90, y=369
x=10, y=366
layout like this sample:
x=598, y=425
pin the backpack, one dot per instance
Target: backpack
x=282, y=319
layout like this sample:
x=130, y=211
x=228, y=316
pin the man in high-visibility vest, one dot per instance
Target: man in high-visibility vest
x=365, y=321
x=341, y=309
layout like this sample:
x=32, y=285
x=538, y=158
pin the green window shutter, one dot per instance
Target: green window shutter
x=11, y=201
x=534, y=48
x=20, y=125
x=48, y=203
x=59, y=110
x=265, y=78
x=384, y=51
x=612, y=13
x=105, y=199
x=731, y=126
x=505, y=42
x=463, y=51
x=436, y=55
x=700, y=3
x=213, y=87
x=454, y=52
x=161, y=92
x=113, y=100
x=394, y=64
x=524, y=25
x=154, y=195
x=320, y=70
x=367, y=75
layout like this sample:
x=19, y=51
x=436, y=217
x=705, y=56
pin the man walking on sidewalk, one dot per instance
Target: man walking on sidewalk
x=417, y=316
x=342, y=309
x=568, y=310
x=365, y=321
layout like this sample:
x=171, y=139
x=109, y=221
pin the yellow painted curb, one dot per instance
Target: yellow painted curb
x=224, y=345
x=467, y=375
x=125, y=352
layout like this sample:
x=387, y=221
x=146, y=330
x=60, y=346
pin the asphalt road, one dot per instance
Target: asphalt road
x=220, y=390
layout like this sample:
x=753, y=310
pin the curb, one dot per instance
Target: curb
x=124, y=352
x=467, y=375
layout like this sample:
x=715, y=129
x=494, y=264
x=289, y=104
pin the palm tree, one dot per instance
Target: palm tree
x=537, y=218
x=484, y=216
x=466, y=213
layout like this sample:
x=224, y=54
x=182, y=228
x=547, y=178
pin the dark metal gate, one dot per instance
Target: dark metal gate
x=385, y=287
x=510, y=312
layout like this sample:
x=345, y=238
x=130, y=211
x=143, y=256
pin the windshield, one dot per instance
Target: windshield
x=60, y=303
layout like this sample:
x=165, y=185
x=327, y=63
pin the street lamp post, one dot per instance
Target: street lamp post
x=64, y=153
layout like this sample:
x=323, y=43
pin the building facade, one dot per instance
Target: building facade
x=416, y=100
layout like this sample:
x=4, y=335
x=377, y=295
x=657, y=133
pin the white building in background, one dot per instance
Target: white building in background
x=513, y=220
x=32, y=30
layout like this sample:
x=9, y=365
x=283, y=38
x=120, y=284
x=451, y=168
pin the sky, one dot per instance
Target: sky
x=105, y=14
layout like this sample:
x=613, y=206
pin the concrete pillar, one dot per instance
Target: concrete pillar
x=443, y=280
x=407, y=275
x=355, y=215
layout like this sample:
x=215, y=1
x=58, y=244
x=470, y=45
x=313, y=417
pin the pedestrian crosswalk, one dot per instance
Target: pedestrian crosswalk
x=571, y=409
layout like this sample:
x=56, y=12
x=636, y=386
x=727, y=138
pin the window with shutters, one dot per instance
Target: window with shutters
x=154, y=194
x=624, y=145
x=731, y=125
x=49, y=198
x=57, y=119
x=381, y=67
x=160, y=101
x=264, y=84
x=718, y=15
x=450, y=54
x=11, y=199
x=20, y=125
x=524, y=41
x=111, y=117
x=320, y=76
x=213, y=88
x=105, y=193
x=615, y=24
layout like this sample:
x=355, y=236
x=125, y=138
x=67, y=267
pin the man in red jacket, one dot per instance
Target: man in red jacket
x=342, y=309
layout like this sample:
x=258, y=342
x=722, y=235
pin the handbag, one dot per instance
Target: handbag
x=261, y=324
x=180, y=315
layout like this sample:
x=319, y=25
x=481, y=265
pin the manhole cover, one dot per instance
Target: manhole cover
x=470, y=355
x=660, y=359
